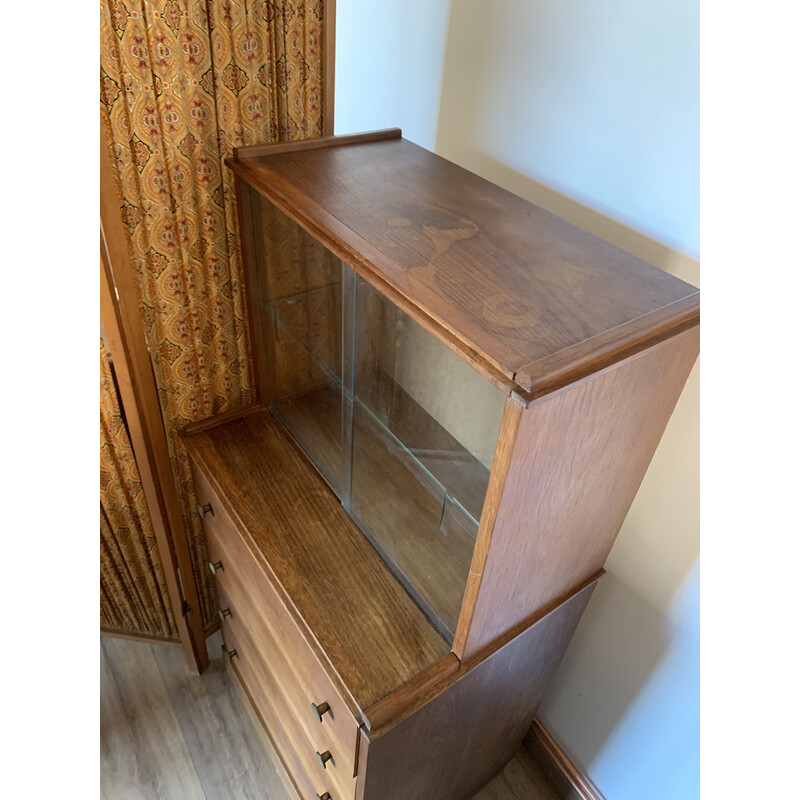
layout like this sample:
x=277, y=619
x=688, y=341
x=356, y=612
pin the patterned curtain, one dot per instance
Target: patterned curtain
x=133, y=592
x=181, y=84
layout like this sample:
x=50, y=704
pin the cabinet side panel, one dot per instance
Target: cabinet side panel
x=457, y=741
x=578, y=460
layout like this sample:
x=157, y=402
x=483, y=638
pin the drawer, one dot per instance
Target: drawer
x=273, y=673
x=279, y=645
x=273, y=713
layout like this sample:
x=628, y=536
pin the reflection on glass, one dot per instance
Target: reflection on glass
x=401, y=428
x=301, y=296
x=417, y=490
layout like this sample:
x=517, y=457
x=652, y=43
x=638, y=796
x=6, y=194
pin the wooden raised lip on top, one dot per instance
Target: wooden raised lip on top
x=528, y=381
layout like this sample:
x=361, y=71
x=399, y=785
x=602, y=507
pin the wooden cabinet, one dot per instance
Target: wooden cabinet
x=458, y=396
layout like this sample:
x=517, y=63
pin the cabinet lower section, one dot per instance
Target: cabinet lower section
x=457, y=739
x=439, y=734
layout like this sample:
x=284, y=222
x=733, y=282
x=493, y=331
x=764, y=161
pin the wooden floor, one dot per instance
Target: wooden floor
x=169, y=735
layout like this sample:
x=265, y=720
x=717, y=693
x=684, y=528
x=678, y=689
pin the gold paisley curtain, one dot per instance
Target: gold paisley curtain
x=133, y=592
x=181, y=84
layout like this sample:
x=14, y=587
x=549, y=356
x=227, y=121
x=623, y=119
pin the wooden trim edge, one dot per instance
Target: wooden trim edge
x=318, y=142
x=415, y=700
x=472, y=659
x=329, y=67
x=504, y=449
x=252, y=289
x=381, y=714
x=201, y=425
x=586, y=358
x=569, y=782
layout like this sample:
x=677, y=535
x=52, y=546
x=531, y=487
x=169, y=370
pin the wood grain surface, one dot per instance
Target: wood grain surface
x=291, y=664
x=521, y=779
x=578, y=460
x=514, y=284
x=166, y=734
x=293, y=747
x=335, y=584
x=290, y=790
x=466, y=730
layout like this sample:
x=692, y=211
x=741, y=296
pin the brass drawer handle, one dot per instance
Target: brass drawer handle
x=223, y=612
x=214, y=566
x=324, y=758
x=232, y=654
x=326, y=796
x=203, y=510
x=319, y=710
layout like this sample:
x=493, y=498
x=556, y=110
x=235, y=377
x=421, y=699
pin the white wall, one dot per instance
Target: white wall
x=589, y=109
x=389, y=59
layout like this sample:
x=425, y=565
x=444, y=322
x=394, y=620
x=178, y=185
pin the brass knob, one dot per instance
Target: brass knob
x=319, y=710
x=214, y=566
x=232, y=654
x=203, y=510
x=324, y=758
x=223, y=612
x=326, y=796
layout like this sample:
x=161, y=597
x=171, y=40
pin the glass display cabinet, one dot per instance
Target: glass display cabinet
x=458, y=395
x=401, y=428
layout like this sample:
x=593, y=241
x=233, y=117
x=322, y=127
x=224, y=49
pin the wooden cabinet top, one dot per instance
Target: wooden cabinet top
x=532, y=300
x=365, y=627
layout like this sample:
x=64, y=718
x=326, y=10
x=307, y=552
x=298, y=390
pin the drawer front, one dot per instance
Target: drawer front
x=279, y=646
x=269, y=705
x=272, y=672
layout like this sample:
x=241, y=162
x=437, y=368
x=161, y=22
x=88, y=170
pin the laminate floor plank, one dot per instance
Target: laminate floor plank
x=169, y=735
x=521, y=779
x=142, y=749
x=228, y=756
x=497, y=789
x=526, y=780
